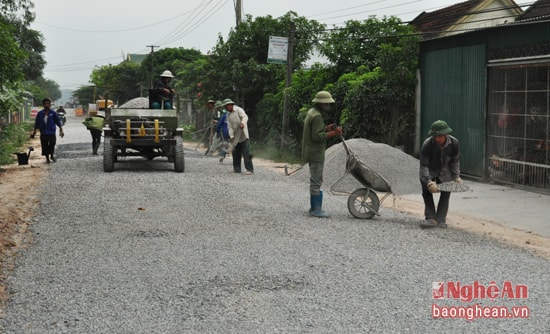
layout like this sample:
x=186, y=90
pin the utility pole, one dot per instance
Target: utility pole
x=151, y=69
x=238, y=10
x=289, y=62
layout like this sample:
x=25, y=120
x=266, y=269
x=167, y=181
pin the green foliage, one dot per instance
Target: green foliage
x=31, y=43
x=357, y=43
x=376, y=61
x=270, y=151
x=172, y=59
x=85, y=95
x=10, y=97
x=20, y=55
x=12, y=137
x=189, y=80
x=238, y=67
x=18, y=15
x=41, y=88
x=115, y=82
x=188, y=132
x=17, y=10
x=11, y=57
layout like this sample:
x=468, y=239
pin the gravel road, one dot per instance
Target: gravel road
x=148, y=250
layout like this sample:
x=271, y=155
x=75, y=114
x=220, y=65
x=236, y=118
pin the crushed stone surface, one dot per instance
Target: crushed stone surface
x=136, y=103
x=148, y=250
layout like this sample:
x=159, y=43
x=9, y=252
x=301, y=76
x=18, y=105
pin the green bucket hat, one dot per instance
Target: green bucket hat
x=439, y=128
x=227, y=101
x=323, y=97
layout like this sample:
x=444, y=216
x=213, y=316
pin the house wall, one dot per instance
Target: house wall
x=453, y=89
x=454, y=74
x=493, y=13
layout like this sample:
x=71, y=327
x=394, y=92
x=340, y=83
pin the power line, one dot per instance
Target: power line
x=118, y=30
x=194, y=22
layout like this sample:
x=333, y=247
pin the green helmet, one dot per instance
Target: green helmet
x=323, y=97
x=439, y=128
x=227, y=101
x=218, y=104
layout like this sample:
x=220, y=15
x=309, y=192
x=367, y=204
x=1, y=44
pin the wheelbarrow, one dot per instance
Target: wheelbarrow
x=364, y=202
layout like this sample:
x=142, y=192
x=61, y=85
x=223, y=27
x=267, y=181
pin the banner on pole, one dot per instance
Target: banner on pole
x=278, y=50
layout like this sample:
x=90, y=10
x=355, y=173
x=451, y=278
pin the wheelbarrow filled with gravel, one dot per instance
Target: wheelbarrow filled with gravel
x=363, y=202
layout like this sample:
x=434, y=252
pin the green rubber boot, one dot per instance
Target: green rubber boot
x=316, y=206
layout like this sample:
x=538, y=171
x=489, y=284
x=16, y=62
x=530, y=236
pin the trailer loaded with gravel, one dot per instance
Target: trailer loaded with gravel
x=148, y=133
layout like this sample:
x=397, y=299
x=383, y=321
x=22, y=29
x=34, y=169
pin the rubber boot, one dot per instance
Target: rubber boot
x=311, y=203
x=95, y=147
x=317, y=204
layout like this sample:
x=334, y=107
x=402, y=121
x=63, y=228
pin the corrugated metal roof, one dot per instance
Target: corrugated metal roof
x=439, y=22
x=444, y=18
x=539, y=10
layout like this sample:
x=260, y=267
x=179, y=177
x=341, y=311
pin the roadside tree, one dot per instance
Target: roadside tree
x=116, y=82
x=238, y=66
x=377, y=62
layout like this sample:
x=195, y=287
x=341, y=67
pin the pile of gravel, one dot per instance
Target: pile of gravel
x=399, y=169
x=137, y=103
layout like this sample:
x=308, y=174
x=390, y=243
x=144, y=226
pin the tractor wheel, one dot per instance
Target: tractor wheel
x=179, y=159
x=109, y=155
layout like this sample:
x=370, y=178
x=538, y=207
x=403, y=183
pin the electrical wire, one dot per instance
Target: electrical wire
x=192, y=21
x=164, y=21
x=190, y=25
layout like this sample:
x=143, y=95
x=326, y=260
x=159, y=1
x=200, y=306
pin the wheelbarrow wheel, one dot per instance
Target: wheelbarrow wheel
x=363, y=203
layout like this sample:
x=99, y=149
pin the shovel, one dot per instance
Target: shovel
x=453, y=187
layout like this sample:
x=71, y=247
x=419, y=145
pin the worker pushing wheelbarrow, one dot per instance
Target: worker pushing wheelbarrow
x=363, y=202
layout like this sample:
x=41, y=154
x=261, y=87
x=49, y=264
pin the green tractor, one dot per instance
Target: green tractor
x=149, y=133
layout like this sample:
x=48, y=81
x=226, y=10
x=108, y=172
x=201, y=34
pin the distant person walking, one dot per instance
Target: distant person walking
x=46, y=121
x=222, y=133
x=439, y=162
x=94, y=124
x=314, y=142
x=237, y=122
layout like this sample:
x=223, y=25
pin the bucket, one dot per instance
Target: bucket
x=22, y=158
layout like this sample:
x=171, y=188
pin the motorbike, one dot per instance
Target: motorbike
x=62, y=116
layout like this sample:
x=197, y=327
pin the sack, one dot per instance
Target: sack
x=95, y=123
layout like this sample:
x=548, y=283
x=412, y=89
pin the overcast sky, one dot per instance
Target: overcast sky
x=81, y=34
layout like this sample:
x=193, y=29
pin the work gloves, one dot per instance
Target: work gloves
x=333, y=130
x=432, y=187
x=330, y=127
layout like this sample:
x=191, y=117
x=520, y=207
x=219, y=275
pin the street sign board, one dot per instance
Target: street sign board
x=278, y=50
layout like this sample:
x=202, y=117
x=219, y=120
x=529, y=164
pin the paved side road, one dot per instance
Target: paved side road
x=148, y=250
x=516, y=208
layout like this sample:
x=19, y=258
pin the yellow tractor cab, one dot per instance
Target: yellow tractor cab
x=101, y=104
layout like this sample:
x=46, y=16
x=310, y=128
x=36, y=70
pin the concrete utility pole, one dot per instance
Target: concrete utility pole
x=151, y=69
x=238, y=10
x=289, y=62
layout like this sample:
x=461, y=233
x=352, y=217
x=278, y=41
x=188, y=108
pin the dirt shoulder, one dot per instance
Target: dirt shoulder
x=19, y=187
x=536, y=244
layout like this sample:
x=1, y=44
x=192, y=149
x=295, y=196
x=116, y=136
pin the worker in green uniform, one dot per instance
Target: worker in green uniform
x=314, y=140
x=94, y=123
